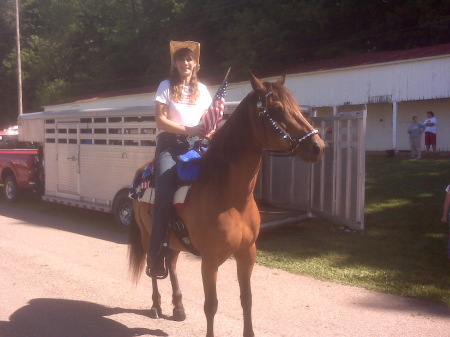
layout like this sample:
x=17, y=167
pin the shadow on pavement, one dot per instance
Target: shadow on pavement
x=413, y=306
x=35, y=218
x=46, y=317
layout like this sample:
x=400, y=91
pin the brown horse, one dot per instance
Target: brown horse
x=221, y=214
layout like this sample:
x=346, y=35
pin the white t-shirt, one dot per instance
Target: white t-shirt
x=432, y=129
x=184, y=112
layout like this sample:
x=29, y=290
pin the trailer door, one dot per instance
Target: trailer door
x=338, y=181
x=68, y=156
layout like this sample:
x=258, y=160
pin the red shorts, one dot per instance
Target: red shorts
x=430, y=138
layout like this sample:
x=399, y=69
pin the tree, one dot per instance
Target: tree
x=77, y=47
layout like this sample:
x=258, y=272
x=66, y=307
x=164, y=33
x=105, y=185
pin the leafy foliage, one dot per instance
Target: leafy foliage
x=76, y=47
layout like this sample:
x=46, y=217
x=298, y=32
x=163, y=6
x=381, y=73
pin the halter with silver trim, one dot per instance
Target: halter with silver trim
x=294, y=142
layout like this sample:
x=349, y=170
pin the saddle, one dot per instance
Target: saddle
x=143, y=190
x=188, y=169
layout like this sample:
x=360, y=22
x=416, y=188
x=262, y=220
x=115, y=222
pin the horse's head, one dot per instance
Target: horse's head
x=280, y=125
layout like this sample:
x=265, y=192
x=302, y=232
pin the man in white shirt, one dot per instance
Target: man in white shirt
x=430, y=131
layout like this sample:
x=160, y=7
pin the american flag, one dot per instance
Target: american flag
x=215, y=111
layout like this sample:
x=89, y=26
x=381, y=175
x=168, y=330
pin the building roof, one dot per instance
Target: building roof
x=321, y=65
x=370, y=59
x=107, y=94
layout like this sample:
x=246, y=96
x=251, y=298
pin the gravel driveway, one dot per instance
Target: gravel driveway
x=60, y=278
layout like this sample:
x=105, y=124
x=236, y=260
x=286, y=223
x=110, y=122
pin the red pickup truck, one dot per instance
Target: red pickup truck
x=20, y=165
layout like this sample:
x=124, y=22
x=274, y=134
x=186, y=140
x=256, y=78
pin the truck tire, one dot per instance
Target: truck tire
x=123, y=210
x=11, y=190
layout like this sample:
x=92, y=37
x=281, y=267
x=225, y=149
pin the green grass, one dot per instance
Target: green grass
x=403, y=250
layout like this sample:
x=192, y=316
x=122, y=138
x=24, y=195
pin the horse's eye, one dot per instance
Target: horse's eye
x=278, y=109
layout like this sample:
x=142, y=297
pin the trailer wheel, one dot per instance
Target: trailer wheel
x=123, y=210
x=11, y=190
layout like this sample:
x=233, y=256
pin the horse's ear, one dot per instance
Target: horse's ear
x=281, y=80
x=257, y=85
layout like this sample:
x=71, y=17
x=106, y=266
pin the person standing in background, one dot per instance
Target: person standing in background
x=415, y=130
x=445, y=215
x=430, y=131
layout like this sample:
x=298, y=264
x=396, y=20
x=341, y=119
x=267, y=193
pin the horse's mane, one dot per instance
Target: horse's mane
x=227, y=144
x=234, y=138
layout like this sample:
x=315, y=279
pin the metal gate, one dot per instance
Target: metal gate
x=338, y=181
x=332, y=188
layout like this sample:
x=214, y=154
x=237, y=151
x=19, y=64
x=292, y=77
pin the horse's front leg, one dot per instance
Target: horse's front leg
x=245, y=261
x=209, y=276
x=178, y=308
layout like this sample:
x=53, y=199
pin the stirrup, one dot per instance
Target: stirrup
x=158, y=277
x=164, y=269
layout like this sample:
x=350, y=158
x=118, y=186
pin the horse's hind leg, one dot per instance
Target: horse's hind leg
x=245, y=261
x=178, y=308
x=209, y=275
x=155, y=311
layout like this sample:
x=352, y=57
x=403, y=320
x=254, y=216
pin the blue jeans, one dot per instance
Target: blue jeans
x=168, y=148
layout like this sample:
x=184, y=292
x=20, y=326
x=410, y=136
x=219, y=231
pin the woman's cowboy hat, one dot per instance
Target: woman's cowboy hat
x=192, y=45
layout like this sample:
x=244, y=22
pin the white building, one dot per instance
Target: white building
x=394, y=85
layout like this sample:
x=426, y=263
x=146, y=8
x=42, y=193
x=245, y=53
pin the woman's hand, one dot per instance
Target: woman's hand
x=198, y=130
x=211, y=134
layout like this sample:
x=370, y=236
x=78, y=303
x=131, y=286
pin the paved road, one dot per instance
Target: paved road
x=61, y=278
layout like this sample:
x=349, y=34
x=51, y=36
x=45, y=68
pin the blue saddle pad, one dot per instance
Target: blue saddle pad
x=189, y=166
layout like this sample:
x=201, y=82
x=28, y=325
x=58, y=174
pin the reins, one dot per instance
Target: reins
x=294, y=143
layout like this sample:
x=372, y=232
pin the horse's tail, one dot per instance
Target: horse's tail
x=136, y=249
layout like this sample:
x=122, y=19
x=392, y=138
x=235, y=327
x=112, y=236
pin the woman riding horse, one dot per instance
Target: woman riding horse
x=180, y=104
x=221, y=214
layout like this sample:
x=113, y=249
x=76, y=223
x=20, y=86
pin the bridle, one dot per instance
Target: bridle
x=294, y=143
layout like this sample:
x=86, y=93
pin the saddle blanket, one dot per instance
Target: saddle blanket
x=143, y=189
x=148, y=196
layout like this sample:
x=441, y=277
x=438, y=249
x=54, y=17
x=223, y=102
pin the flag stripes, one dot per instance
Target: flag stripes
x=215, y=111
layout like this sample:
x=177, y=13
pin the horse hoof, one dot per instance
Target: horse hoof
x=178, y=315
x=155, y=313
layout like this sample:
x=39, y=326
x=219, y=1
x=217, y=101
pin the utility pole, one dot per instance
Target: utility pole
x=19, y=61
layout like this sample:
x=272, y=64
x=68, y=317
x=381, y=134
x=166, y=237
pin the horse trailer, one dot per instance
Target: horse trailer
x=91, y=157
